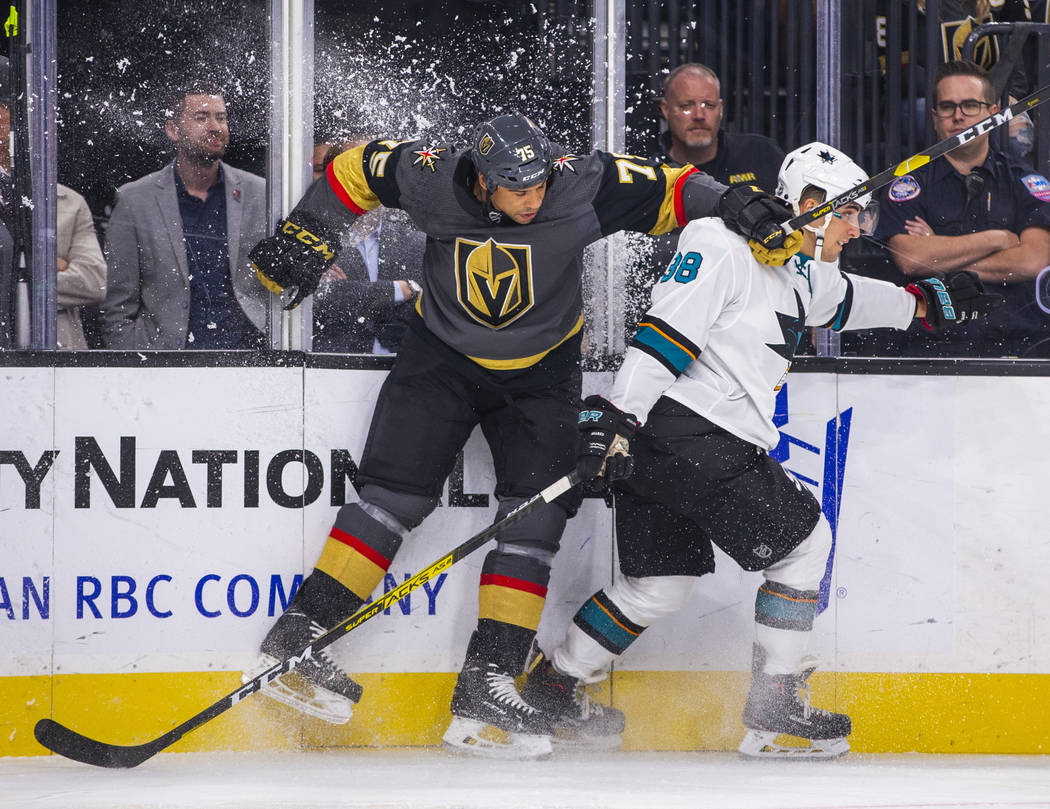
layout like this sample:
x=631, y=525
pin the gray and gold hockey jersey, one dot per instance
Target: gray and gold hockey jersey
x=722, y=329
x=501, y=293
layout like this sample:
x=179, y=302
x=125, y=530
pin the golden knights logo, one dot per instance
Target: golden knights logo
x=494, y=281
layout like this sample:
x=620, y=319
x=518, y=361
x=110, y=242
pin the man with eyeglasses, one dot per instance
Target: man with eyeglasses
x=979, y=210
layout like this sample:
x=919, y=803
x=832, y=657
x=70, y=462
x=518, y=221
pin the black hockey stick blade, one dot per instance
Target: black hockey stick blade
x=922, y=158
x=67, y=742
x=60, y=739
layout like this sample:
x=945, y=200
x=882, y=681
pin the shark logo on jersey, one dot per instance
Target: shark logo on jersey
x=791, y=329
x=494, y=281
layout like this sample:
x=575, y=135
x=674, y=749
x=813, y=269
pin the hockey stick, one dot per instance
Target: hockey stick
x=922, y=158
x=66, y=742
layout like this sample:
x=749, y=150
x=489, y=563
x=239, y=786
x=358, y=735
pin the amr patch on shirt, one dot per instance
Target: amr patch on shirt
x=903, y=189
x=494, y=280
x=1038, y=186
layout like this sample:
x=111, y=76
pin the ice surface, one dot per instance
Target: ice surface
x=432, y=779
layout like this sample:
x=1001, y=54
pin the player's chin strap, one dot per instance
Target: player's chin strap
x=818, y=231
x=820, y=244
x=488, y=210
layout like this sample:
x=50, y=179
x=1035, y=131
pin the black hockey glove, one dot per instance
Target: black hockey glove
x=754, y=214
x=297, y=255
x=603, y=449
x=957, y=298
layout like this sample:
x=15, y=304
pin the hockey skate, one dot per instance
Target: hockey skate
x=317, y=686
x=778, y=705
x=579, y=722
x=491, y=720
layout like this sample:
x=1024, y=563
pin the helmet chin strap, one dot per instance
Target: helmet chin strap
x=820, y=246
x=818, y=231
x=488, y=210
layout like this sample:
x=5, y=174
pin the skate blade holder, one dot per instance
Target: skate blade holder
x=476, y=738
x=296, y=692
x=762, y=744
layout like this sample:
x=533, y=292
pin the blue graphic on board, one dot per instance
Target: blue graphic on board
x=836, y=442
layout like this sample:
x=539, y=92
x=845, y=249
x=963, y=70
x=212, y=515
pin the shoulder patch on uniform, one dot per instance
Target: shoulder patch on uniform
x=903, y=189
x=427, y=156
x=565, y=162
x=1038, y=186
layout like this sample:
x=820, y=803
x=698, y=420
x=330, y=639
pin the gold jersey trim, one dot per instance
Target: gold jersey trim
x=671, y=213
x=525, y=362
x=348, y=168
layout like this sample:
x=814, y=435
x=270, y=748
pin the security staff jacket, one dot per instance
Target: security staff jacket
x=1002, y=193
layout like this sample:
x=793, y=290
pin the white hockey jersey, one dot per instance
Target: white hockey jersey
x=722, y=329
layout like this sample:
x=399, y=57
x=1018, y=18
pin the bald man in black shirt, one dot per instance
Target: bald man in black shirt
x=693, y=107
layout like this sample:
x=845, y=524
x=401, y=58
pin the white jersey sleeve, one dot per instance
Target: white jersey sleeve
x=843, y=301
x=700, y=291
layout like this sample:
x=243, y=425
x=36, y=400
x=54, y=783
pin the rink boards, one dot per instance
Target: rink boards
x=154, y=520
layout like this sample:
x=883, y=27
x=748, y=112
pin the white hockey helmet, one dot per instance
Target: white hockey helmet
x=820, y=165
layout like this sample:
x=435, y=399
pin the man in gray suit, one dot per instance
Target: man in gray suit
x=178, y=240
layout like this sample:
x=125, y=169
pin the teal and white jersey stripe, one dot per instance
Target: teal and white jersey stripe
x=663, y=343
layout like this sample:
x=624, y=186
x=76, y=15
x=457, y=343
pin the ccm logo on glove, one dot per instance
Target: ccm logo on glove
x=309, y=239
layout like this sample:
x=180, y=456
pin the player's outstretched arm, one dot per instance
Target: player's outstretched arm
x=306, y=244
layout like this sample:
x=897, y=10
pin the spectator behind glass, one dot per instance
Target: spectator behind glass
x=956, y=19
x=81, y=267
x=692, y=107
x=362, y=301
x=975, y=209
x=178, y=240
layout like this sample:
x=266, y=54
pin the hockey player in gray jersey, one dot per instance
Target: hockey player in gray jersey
x=702, y=373
x=495, y=342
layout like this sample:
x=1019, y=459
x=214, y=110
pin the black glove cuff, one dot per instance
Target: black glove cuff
x=754, y=214
x=599, y=413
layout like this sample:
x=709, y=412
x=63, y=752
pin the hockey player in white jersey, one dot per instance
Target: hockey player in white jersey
x=701, y=374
